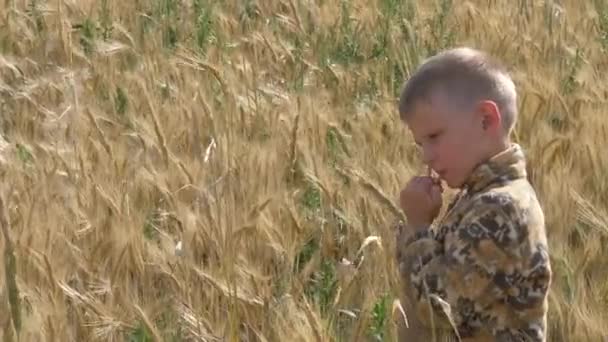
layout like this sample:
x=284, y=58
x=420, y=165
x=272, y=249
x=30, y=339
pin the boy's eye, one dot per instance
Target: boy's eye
x=434, y=136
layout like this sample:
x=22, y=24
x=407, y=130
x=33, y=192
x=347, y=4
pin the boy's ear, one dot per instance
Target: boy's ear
x=490, y=116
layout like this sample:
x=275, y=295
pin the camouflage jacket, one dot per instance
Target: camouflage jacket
x=483, y=272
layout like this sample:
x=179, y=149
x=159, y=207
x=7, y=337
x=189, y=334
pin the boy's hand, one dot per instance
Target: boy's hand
x=421, y=201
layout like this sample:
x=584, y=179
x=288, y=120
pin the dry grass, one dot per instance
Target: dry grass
x=262, y=138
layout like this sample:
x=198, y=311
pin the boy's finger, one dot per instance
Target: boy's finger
x=419, y=184
x=436, y=189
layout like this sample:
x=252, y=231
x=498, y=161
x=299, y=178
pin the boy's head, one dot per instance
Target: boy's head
x=460, y=105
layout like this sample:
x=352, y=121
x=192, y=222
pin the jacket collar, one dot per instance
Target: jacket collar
x=505, y=166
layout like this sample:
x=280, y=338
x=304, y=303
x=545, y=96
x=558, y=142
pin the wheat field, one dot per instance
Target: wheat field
x=228, y=170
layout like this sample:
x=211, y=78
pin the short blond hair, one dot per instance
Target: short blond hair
x=466, y=75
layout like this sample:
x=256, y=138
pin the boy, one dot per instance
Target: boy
x=483, y=273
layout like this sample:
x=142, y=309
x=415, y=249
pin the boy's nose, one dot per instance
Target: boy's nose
x=428, y=158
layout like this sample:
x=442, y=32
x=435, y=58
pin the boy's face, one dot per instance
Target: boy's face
x=451, y=139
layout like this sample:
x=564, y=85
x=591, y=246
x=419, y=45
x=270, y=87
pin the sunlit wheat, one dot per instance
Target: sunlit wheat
x=219, y=171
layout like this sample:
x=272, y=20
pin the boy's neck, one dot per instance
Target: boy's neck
x=493, y=149
x=496, y=148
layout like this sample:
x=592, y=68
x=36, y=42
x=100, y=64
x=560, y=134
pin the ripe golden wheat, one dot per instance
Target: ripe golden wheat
x=228, y=171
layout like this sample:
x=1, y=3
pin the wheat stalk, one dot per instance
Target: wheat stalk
x=10, y=270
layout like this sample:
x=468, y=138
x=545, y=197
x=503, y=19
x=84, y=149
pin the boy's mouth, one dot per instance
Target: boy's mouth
x=435, y=176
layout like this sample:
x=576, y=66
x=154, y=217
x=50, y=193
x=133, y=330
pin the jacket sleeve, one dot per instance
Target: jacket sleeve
x=495, y=273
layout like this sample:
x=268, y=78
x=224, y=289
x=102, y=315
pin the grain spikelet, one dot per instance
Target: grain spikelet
x=296, y=15
x=268, y=45
x=369, y=240
x=294, y=144
x=290, y=25
x=157, y=129
x=447, y=310
x=378, y=193
x=589, y=214
x=295, y=219
x=312, y=179
x=348, y=313
x=197, y=328
x=398, y=307
x=212, y=145
x=106, y=328
x=111, y=203
x=550, y=151
x=195, y=63
x=225, y=290
x=256, y=210
x=77, y=296
x=184, y=170
x=102, y=136
x=4, y=62
x=121, y=29
x=149, y=325
x=110, y=48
